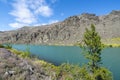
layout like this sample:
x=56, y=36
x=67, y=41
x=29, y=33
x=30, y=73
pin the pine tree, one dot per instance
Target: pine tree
x=93, y=48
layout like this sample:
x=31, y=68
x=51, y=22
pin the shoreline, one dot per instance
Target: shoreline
x=77, y=45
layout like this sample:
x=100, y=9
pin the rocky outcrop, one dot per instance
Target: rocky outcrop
x=68, y=31
x=13, y=67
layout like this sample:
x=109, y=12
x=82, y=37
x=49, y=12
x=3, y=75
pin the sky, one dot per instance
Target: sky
x=15, y=14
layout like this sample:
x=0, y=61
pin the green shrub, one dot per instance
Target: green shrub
x=21, y=53
x=102, y=74
x=8, y=46
x=75, y=72
x=1, y=46
x=110, y=46
x=25, y=54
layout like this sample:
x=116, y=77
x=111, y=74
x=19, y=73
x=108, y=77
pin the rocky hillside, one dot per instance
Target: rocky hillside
x=13, y=67
x=68, y=31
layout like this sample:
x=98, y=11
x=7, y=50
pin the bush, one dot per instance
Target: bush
x=102, y=74
x=21, y=53
x=75, y=72
x=110, y=46
x=25, y=54
x=1, y=46
x=8, y=46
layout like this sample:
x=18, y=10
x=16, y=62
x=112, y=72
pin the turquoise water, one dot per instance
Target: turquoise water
x=73, y=55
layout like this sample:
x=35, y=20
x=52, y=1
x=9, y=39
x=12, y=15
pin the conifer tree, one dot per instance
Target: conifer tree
x=93, y=48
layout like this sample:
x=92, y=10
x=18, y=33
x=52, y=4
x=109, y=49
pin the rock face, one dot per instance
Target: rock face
x=68, y=31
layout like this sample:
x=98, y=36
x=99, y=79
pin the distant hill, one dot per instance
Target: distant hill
x=66, y=32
